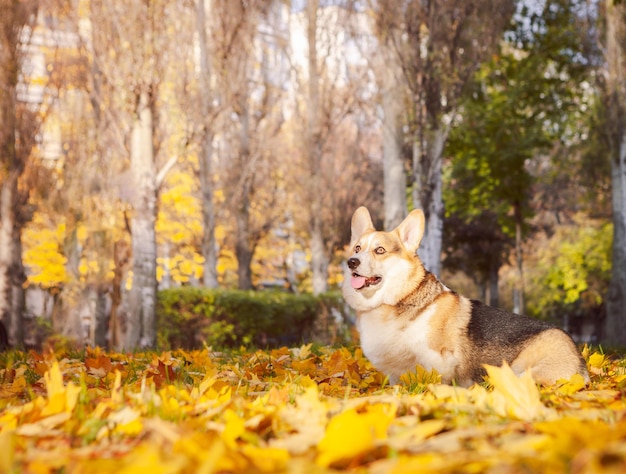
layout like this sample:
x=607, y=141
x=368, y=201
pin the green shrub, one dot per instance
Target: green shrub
x=182, y=315
x=190, y=317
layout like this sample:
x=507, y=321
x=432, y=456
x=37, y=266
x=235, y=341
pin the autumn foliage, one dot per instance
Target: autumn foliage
x=303, y=409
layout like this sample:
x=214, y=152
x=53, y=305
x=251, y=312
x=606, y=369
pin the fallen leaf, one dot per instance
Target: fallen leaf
x=515, y=396
x=60, y=397
x=575, y=384
x=354, y=432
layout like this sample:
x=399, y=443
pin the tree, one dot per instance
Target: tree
x=319, y=258
x=615, y=104
x=209, y=109
x=141, y=329
x=389, y=80
x=251, y=92
x=518, y=107
x=570, y=271
x=477, y=247
x=19, y=123
x=395, y=199
x=439, y=45
x=87, y=136
x=129, y=51
x=330, y=91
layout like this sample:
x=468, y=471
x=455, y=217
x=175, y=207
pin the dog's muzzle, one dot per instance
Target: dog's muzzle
x=358, y=282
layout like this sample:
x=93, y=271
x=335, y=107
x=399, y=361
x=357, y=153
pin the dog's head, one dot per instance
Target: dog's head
x=382, y=267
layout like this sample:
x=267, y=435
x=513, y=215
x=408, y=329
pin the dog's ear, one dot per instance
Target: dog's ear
x=411, y=229
x=361, y=222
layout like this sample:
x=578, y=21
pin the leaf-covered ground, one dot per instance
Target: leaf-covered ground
x=297, y=410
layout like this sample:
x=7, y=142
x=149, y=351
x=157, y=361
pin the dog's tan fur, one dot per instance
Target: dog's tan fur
x=407, y=317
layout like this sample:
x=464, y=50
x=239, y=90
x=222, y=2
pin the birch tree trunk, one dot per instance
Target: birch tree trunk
x=428, y=195
x=14, y=16
x=615, y=322
x=141, y=323
x=319, y=258
x=393, y=161
x=12, y=277
x=209, y=245
x=9, y=279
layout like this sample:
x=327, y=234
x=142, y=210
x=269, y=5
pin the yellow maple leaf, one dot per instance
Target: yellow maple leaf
x=575, y=384
x=514, y=396
x=597, y=362
x=61, y=398
x=127, y=421
x=303, y=352
x=303, y=422
x=354, y=432
x=233, y=429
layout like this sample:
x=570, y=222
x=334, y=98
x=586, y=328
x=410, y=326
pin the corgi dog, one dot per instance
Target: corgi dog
x=407, y=317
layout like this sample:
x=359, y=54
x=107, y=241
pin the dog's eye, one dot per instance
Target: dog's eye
x=379, y=250
x=357, y=249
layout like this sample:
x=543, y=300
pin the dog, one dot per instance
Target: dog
x=407, y=317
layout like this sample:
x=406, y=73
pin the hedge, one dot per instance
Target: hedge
x=190, y=318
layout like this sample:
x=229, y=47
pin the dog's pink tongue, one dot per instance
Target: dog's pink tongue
x=358, y=282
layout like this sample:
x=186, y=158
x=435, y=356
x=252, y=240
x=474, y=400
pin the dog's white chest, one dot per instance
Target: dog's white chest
x=395, y=345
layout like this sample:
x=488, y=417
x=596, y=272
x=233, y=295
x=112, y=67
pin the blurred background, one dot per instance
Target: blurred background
x=156, y=146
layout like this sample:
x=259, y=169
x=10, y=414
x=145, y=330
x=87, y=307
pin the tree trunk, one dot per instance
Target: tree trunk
x=10, y=170
x=141, y=324
x=393, y=161
x=121, y=258
x=209, y=245
x=319, y=258
x=100, y=318
x=483, y=293
x=242, y=245
x=428, y=195
x=14, y=17
x=11, y=270
x=12, y=277
x=518, y=292
x=615, y=326
x=494, y=267
x=615, y=322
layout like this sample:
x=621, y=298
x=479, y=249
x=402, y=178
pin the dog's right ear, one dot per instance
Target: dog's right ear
x=361, y=222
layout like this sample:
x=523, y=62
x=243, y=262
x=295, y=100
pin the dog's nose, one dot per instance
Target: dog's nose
x=353, y=263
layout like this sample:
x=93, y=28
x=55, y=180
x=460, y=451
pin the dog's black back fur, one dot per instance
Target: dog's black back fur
x=499, y=335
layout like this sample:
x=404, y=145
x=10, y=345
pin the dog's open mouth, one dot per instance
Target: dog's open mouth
x=359, y=282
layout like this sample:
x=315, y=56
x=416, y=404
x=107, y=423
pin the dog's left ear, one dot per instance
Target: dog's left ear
x=361, y=222
x=411, y=230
